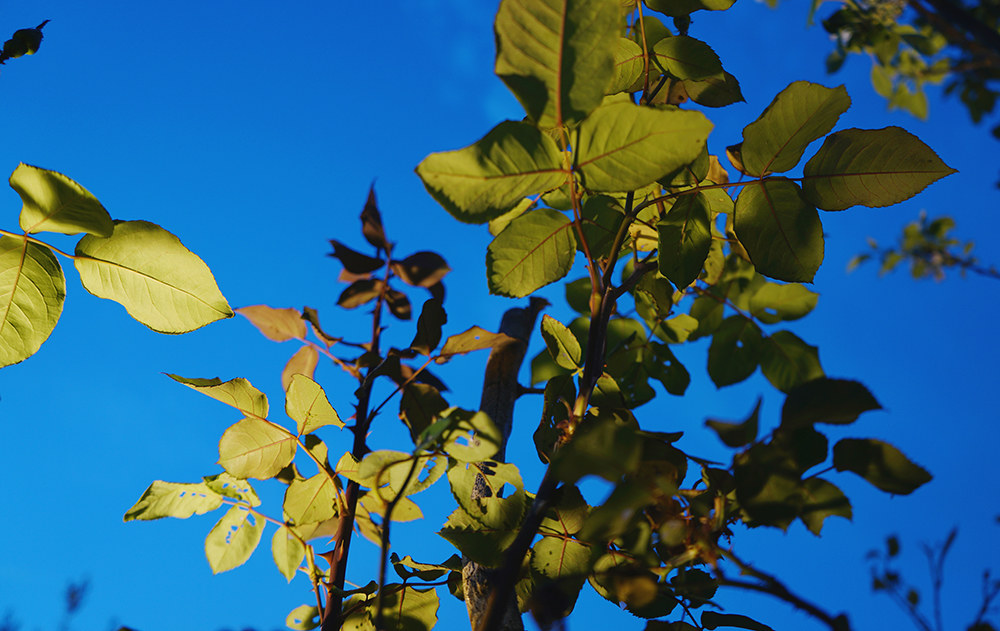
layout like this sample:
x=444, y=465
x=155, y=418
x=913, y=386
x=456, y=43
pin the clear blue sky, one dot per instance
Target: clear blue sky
x=252, y=130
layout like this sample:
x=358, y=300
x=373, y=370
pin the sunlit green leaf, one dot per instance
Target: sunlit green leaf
x=233, y=539
x=311, y=500
x=623, y=147
x=172, y=499
x=32, y=292
x=562, y=344
x=678, y=8
x=54, y=203
x=472, y=436
x=687, y=58
x=787, y=361
x=684, y=239
x=800, y=114
x=229, y=486
x=488, y=178
x=287, y=552
x=872, y=168
x=474, y=339
x=148, y=271
x=778, y=303
x=628, y=65
x=781, y=232
x=536, y=249
x=409, y=609
x=481, y=544
x=496, y=507
x=556, y=56
x=237, y=393
x=307, y=405
x=881, y=464
x=254, y=448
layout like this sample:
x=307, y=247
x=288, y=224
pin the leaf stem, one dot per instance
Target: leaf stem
x=31, y=239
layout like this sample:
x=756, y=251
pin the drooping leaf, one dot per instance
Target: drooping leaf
x=276, y=324
x=735, y=351
x=737, y=434
x=488, y=178
x=254, y=448
x=684, y=238
x=311, y=500
x=303, y=362
x=536, y=249
x=774, y=303
x=371, y=223
x=229, y=486
x=475, y=339
x=781, y=232
x=307, y=405
x=714, y=620
x=233, y=539
x=623, y=147
x=687, y=58
x=32, y=292
x=54, y=203
x=884, y=466
x=800, y=114
x=872, y=168
x=498, y=507
x=237, y=393
x=822, y=499
x=148, y=271
x=172, y=499
x=680, y=8
x=834, y=401
x=556, y=56
x=562, y=344
x=287, y=552
x=787, y=361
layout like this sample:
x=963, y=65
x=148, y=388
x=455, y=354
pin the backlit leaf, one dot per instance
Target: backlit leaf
x=472, y=436
x=32, y=292
x=678, y=8
x=735, y=351
x=475, y=339
x=287, y=552
x=54, y=203
x=276, y=324
x=353, y=261
x=481, y=544
x=421, y=269
x=687, y=58
x=822, y=499
x=737, y=434
x=172, y=499
x=303, y=618
x=684, y=240
x=237, y=393
x=881, y=464
x=628, y=66
x=254, y=448
x=779, y=303
x=556, y=56
x=562, y=344
x=623, y=147
x=781, y=232
x=717, y=91
x=800, y=114
x=502, y=500
x=834, y=401
x=148, y=271
x=311, y=500
x=872, y=168
x=229, y=486
x=233, y=539
x=409, y=609
x=488, y=178
x=303, y=362
x=787, y=361
x=536, y=249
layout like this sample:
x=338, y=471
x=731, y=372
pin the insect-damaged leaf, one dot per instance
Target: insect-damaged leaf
x=233, y=539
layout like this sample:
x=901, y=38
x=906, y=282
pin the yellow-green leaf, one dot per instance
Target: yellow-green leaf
x=172, y=499
x=311, y=500
x=254, y=448
x=536, y=249
x=32, y=292
x=54, y=203
x=276, y=324
x=237, y=393
x=307, y=405
x=287, y=551
x=233, y=539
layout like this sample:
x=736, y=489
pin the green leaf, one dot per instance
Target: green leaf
x=148, y=271
x=287, y=551
x=684, y=238
x=717, y=91
x=714, y=620
x=488, y=178
x=432, y=318
x=781, y=232
x=833, y=401
x=822, y=499
x=687, y=58
x=311, y=500
x=481, y=544
x=623, y=147
x=303, y=618
x=389, y=470
x=872, y=168
x=32, y=292
x=556, y=56
x=536, y=249
x=734, y=352
x=498, y=507
x=787, y=361
x=774, y=303
x=233, y=539
x=737, y=434
x=228, y=486
x=560, y=558
x=605, y=445
x=54, y=203
x=800, y=114
x=884, y=466
x=172, y=499
x=409, y=609
x=474, y=339
x=276, y=324
x=237, y=393
x=562, y=344
x=254, y=448
x=472, y=436
x=307, y=405
x=628, y=66
x=419, y=407
x=680, y=8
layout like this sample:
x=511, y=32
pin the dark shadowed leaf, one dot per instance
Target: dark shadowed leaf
x=881, y=464
x=822, y=500
x=353, y=261
x=834, y=401
x=371, y=223
x=432, y=318
x=399, y=304
x=737, y=434
x=787, y=361
x=714, y=620
x=735, y=351
x=422, y=269
x=687, y=58
x=684, y=237
x=360, y=292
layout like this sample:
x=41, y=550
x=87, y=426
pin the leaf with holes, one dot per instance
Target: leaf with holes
x=32, y=293
x=536, y=249
x=735, y=351
x=172, y=499
x=233, y=539
x=496, y=507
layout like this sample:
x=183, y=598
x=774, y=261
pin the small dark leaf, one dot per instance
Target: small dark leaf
x=834, y=401
x=714, y=620
x=399, y=304
x=419, y=407
x=880, y=463
x=734, y=352
x=422, y=269
x=432, y=318
x=311, y=316
x=605, y=445
x=892, y=545
x=353, y=261
x=359, y=293
x=737, y=434
x=695, y=585
x=371, y=223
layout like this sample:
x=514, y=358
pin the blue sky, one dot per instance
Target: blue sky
x=252, y=131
